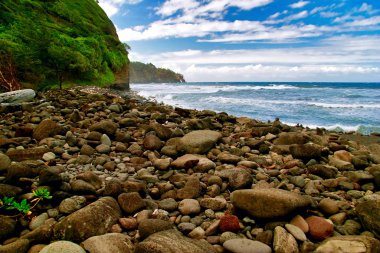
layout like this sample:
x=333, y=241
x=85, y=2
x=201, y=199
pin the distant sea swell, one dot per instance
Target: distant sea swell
x=334, y=106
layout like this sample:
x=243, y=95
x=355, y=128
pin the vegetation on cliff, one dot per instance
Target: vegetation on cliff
x=148, y=73
x=49, y=42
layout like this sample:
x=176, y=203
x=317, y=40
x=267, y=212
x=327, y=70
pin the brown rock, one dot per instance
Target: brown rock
x=191, y=190
x=131, y=202
x=47, y=128
x=199, y=142
x=291, y=138
x=5, y=162
x=128, y=223
x=108, y=243
x=283, y=242
x=240, y=179
x=328, y=206
x=300, y=222
x=18, y=246
x=349, y=244
x=170, y=241
x=306, y=151
x=95, y=219
x=162, y=132
x=8, y=226
x=268, y=203
x=185, y=162
x=369, y=214
x=105, y=127
x=27, y=154
x=319, y=228
x=9, y=190
x=152, y=142
x=151, y=226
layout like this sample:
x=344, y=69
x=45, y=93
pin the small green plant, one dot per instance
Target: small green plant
x=23, y=207
x=42, y=193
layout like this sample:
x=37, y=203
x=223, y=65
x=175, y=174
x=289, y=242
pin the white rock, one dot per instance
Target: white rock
x=296, y=232
x=63, y=247
x=48, y=156
x=105, y=140
x=246, y=246
x=17, y=96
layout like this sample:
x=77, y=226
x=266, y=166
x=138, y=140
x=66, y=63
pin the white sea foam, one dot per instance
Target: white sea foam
x=341, y=128
x=252, y=101
x=153, y=89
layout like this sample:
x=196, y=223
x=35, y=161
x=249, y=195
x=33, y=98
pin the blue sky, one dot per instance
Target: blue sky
x=254, y=40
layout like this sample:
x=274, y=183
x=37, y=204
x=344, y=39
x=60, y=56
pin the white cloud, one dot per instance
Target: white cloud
x=111, y=7
x=328, y=14
x=365, y=22
x=196, y=8
x=299, y=4
x=273, y=73
x=201, y=28
x=343, y=58
x=172, y=6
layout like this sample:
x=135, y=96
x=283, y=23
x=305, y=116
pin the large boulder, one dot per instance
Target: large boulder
x=8, y=226
x=170, y=241
x=95, y=219
x=105, y=127
x=47, y=128
x=199, y=142
x=268, y=203
x=369, y=214
x=148, y=227
x=27, y=154
x=306, y=151
x=108, y=243
x=5, y=162
x=18, y=246
x=62, y=247
x=17, y=96
x=349, y=244
x=290, y=138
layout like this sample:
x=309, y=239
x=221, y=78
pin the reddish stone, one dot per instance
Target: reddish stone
x=229, y=222
x=319, y=228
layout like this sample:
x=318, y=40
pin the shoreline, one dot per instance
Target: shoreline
x=149, y=176
x=304, y=108
x=365, y=138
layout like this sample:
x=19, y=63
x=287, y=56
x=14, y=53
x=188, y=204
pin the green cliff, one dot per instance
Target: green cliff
x=148, y=73
x=46, y=43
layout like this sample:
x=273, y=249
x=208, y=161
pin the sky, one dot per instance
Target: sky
x=253, y=40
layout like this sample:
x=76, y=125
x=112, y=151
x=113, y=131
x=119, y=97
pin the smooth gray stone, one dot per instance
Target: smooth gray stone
x=17, y=96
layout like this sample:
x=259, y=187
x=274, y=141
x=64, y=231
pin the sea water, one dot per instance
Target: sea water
x=334, y=106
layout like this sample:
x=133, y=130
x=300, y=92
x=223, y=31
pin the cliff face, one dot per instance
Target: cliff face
x=54, y=42
x=148, y=73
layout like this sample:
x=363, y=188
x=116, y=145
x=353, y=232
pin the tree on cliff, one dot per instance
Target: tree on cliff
x=51, y=42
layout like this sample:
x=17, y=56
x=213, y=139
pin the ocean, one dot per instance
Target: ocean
x=342, y=107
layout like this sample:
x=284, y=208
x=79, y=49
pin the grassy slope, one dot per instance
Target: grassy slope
x=74, y=39
x=148, y=73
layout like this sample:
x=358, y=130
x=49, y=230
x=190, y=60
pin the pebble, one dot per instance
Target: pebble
x=38, y=221
x=63, y=247
x=283, y=242
x=189, y=206
x=48, y=156
x=319, y=228
x=296, y=232
x=328, y=206
x=301, y=223
x=246, y=246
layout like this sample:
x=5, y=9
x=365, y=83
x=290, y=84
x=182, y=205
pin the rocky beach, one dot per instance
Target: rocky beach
x=130, y=175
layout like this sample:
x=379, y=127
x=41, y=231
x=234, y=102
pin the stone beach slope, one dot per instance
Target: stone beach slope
x=129, y=175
